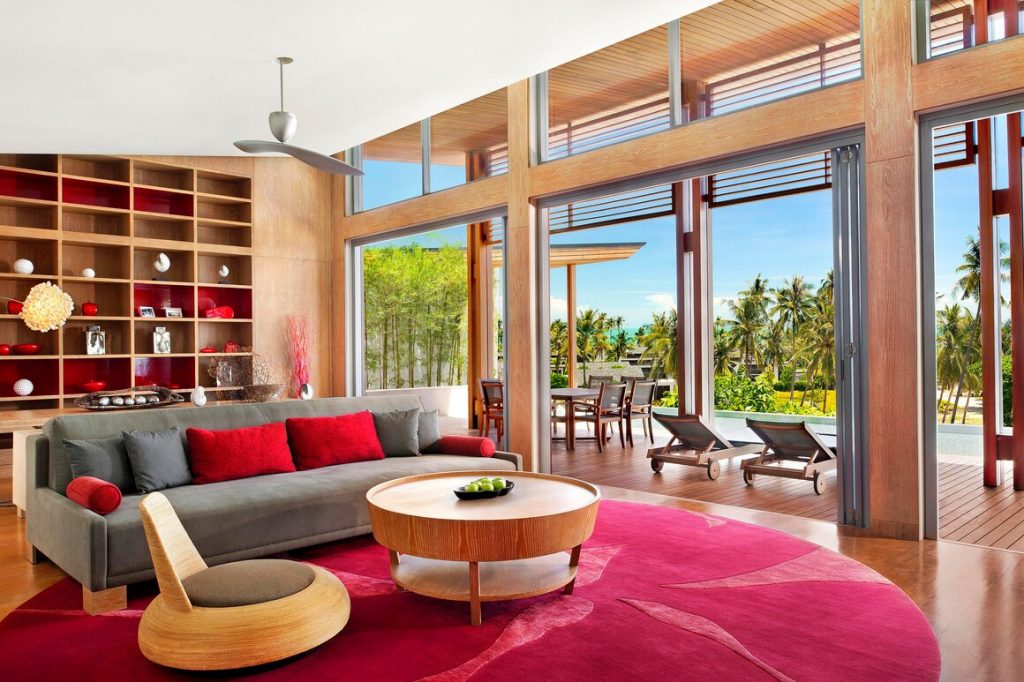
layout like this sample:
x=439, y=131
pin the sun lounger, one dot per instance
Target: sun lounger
x=694, y=444
x=789, y=442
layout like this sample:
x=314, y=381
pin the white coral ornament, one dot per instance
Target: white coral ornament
x=46, y=307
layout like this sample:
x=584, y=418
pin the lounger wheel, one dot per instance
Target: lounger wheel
x=819, y=483
x=714, y=469
x=748, y=477
x=657, y=465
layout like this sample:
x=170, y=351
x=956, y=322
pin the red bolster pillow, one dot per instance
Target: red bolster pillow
x=471, y=446
x=323, y=441
x=96, y=494
x=238, y=453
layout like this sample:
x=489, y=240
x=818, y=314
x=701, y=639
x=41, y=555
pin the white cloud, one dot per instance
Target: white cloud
x=661, y=301
x=559, y=308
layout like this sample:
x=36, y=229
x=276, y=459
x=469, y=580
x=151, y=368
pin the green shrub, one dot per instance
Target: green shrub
x=740, y=393
x=670, y=399
x=559, y=380
x=793, y=407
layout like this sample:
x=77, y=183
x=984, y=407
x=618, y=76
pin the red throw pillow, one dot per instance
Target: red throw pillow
x=323, y=441
x=238, y=453
x=96, y=494
x=472, y=446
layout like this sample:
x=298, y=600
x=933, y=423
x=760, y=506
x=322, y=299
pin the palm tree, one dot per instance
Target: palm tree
x=591, y=335
x=559, y=343
x=773, y=344
x=792, y=305
x=659, y=343
x=948, y=346
x=745, y=330
x=722, y=348
x=821, y=345
x=758, y=294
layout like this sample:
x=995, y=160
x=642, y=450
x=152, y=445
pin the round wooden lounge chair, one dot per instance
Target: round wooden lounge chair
x=234, y=615
x=789, y=442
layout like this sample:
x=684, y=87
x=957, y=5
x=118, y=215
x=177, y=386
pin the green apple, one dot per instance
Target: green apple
x=472, y=488
x=498, y=484
x=487, y=486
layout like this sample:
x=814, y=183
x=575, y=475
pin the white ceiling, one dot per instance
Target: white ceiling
x=191, y=76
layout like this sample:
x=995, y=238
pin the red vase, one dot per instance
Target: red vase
x=89, y=309
x=5, y=349
x=14, y=307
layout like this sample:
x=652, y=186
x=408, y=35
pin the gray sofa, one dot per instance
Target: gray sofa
x=227, y=521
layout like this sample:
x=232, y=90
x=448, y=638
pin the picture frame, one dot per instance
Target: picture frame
x=146, y=311
x=161, y=341
x=95, y=341
x=172, y=312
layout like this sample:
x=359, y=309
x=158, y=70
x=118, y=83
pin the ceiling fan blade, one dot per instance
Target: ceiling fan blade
x=328, y=164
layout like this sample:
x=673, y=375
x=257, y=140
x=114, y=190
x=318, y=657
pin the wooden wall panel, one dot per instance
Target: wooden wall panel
x=339, y=341
x=893, y=290
x=981, y=73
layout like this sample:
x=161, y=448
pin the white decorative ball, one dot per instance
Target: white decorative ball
x=128, y=402
x=24, y=387
x=104, y=401
x=117, y=400
x=153, y=399
x=162, y=262
x=88, y=272
x=199, y=396
x=23, y=266
x=224, y=271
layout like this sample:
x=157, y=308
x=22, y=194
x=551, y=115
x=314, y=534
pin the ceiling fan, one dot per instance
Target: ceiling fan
x=282, y=125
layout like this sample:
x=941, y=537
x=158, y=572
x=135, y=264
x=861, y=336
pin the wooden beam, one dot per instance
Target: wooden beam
x=521, y=326
x=981, y=73
x=894, y=399
x=570, y=314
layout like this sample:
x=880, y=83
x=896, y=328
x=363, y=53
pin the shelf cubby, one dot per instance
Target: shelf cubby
x=224, y=234
x=117, y=372
x=95, y=193
x=112, y=298
x=170, y=202
x=17, y=289
x=118, y=335
x=176, y=373
x=43, y=373
x=27, y=185
x=239, y=270
x=228, y=210
x=13, y=332
x=96, y=167
x=172, y=228
x=108, y=262
x=182, y=335
x=42, y=253
x=45, y=163
x=240, y=300
x=181, y=269
x=95, y=221
x=161, y=175
x=208, y=182
x=160, y=295
x=217, y=334
x=17, y=214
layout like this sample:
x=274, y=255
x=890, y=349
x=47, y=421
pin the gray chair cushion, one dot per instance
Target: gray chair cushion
x=238, y=519
x=428, y=432
x=102, y=458
x=158, y=459
x=243, y=583
x=398, y=432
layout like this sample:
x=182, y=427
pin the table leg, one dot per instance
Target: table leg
x=570, y=425
x=474, y=593
x=393, y=556
x=574, y=560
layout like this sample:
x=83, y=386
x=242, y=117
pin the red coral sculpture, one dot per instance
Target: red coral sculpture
x=298, y=338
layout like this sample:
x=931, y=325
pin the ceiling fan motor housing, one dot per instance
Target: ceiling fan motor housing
x=283, y=125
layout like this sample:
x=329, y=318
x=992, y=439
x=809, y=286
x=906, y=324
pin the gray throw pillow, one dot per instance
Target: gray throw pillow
x=428, y=433
x=102, y=458
x=158, y=459
x=398, y=432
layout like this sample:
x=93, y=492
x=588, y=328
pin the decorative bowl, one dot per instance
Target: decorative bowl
x=94, y=385
x=26, y=348
x=463, y=494
x=142, y=397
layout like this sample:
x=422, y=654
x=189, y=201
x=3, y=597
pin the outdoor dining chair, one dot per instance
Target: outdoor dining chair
x=493, y=394
x=641, y=406
x=608, y=410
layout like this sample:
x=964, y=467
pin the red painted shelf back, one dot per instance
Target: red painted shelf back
x=240, y=300
x=95, y=194
x=158, y=296
x=27, y=185
x=42, y=373
x=155, y=201
x=174, y=373
x=117, y=372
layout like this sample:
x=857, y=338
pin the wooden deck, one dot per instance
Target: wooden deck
x=969, y=512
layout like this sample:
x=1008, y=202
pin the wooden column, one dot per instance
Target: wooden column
x=339, y=341
x=1015, y=212
x=521, y=325
x=894, y=388
x=480, y=307
x=992, y=473
x=570, y=323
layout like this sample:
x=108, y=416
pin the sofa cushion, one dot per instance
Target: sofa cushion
x=92, y=425
x=428, y=432
x=472, y=446
x=94, y=494
x=323, y=441
x=102, y=458
x=158, y=459
x=398, y=432
x=258, y=516
x=242, y=583
x=238, y=453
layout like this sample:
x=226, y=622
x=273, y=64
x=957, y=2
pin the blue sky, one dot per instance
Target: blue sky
x=777, y=239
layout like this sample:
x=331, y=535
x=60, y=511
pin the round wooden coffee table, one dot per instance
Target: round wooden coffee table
x=507, y=547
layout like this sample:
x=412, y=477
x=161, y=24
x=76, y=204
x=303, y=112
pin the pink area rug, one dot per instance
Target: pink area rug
x=661, y=594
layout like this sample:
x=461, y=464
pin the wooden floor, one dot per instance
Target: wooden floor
x=969, y=512
x=972, y=596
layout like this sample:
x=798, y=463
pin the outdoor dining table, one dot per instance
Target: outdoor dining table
x=572, y=396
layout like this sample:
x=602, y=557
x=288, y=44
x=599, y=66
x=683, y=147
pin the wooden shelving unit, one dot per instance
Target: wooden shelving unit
x=116, y=215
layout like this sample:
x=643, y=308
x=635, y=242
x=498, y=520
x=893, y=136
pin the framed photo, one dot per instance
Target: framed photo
x=161, y=340
x=146, y=311
x=95, y=341
x=172, y=312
